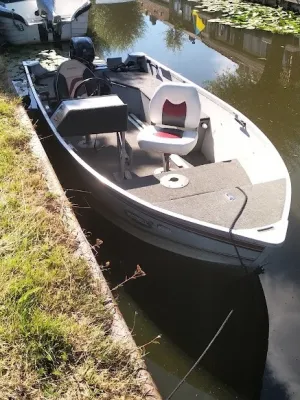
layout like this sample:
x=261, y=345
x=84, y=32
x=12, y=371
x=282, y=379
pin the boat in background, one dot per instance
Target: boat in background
x=36, y=21
x=163, y=158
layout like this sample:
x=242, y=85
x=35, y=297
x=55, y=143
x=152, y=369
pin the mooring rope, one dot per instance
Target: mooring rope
x=202, y=355
x=233, y=225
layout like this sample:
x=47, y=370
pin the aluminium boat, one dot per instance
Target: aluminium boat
x=163, y=158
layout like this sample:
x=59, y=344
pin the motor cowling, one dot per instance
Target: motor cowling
x=82, y=49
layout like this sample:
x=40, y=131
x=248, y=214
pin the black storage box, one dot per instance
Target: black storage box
x=101, y=114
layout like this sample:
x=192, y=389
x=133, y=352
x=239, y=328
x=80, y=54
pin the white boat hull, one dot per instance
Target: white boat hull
x=167, y=230
x=30, y=34
x=170, y=234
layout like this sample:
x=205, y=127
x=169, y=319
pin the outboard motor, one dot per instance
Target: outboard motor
x=82, y=49
x=53, y=23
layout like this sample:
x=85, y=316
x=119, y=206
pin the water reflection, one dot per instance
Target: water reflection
x=120, y=28
x=269, y=97
x=174, y=39
x=116, y=26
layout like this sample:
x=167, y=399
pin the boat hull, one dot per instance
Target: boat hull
x=169, y=233
x=18, y=33
x=152, y=225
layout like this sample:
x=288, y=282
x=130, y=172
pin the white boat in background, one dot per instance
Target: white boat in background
x=163, y=158
x=36, y=21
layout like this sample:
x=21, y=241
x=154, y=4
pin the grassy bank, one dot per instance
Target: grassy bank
x=54, y=327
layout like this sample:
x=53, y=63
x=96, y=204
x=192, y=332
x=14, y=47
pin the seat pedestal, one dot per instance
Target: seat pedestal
x=166, y=162
x=86, y=143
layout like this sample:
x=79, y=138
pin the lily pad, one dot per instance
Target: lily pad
x=240, y=14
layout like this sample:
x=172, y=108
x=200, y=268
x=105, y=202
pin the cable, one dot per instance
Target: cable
x=233, y=225
x=202, y=355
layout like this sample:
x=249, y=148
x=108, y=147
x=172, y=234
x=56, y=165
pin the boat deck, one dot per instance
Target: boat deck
x=213, y=195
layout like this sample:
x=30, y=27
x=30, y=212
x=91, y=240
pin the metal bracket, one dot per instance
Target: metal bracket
x=240, y=121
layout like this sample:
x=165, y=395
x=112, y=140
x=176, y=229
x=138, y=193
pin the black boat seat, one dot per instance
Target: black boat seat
x=70, y=76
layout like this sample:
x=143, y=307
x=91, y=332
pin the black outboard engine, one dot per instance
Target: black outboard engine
x=82, y=49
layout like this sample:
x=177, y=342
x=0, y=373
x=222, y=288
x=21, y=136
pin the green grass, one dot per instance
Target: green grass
x=54, y=327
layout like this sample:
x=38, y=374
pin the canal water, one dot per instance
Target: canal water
x=257, y=355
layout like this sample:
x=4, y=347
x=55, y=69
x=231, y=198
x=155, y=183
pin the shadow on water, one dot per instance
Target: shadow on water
x=281, y=285
x=188, y=300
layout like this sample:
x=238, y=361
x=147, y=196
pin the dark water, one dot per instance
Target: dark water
x=257, y=356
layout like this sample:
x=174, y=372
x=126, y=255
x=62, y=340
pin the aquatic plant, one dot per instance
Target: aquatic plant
x=241, y=14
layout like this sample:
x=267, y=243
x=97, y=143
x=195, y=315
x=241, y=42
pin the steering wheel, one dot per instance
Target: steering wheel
x=101, y=85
